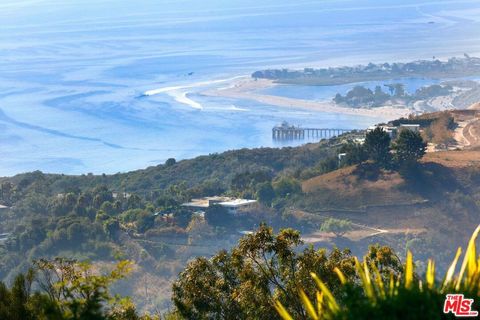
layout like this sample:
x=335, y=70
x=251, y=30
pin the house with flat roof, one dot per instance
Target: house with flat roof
x=234, y=205
x=391, y=130
x=231, y=204
x=411, y=127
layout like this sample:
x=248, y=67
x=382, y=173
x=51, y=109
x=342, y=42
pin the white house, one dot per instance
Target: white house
x=392, y=131
x=231, y=204
x=411, y=127
x=235, y=204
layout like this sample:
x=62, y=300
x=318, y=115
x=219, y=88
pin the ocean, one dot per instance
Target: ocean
x=73, y=73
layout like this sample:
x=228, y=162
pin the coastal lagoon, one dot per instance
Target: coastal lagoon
x=73, y=82
x=327, y=93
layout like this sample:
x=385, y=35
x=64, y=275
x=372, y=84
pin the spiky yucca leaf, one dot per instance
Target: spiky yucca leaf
x=319, y=303
x=391, y=287
x=409, y=270
x=282, y=311
x=451, y=269
x=340, y=275
x=378, y=281
x=365, y=278
x=331, y=302
x=308, y=305
x=430, y=274
x=469, y=261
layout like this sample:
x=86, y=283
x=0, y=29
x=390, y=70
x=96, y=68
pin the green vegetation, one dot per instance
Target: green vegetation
x=265, y=274
x=337, y=226
x=360, y=96
x=139, y=216
x=242, y=283
x=401, y=296
x=409, y=147
x=65, y=289
x=377, y=146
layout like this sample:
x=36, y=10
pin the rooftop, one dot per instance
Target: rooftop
x=223, y=201
x=237, y=202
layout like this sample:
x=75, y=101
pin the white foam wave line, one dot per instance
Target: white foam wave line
x=235, y=108
x=193, y=85
x=182, y=98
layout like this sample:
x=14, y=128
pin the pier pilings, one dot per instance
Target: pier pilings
x=297, y=133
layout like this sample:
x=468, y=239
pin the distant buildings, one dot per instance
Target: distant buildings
x=411, y=127
x=391, y=130
x=117, y=195
x=394, y=130
x=231, y=204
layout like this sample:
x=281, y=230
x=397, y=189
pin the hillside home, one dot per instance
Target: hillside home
x=231, y=204
x=391, y=130
x=411, y=127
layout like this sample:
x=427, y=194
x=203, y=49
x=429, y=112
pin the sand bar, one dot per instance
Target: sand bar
x=248, y=88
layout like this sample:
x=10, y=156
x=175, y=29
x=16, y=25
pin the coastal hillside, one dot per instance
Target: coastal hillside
x=211, y=170
x=429, y=205
x=435, y=208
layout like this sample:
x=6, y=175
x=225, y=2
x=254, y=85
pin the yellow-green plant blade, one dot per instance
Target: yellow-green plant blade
x=365, y=278
x=391, y=288
x=409, y=270
x=430, y=274
x=282, y=311
x=397, y=285
x=340, y=275
x=469, y=261
x=451, y=269
x=474, y=282
x=331, y=302
x=308, y=305
x=319, y=303
x=378, y=281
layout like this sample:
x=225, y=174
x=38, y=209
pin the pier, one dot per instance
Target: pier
x=290, y=132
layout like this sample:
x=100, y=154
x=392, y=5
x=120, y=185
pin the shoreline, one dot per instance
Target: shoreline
x=247, y=89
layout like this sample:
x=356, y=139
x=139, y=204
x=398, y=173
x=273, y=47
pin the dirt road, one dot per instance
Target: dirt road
x=467, y=134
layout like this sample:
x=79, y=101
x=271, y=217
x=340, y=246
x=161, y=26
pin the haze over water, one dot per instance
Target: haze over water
x=72, y=72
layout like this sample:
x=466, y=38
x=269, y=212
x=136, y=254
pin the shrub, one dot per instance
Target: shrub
x=401, y=297
x=337, y=226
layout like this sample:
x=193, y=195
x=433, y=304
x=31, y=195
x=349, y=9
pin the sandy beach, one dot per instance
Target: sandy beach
x=248, y=88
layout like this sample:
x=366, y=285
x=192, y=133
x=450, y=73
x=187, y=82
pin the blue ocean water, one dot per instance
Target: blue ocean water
x=72, y=72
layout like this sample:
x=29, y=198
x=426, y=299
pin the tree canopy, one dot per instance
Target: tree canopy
x=66, y=289
x=409, y=147
x=241, y=283
x=337, y=226
x=377, y=146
